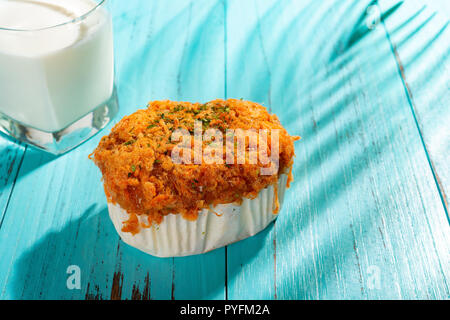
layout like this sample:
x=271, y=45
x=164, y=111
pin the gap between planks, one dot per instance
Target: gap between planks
x=5, y=212
x=412, y=105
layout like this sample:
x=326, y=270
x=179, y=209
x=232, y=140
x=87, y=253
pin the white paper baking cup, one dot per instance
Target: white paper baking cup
x=176, y=236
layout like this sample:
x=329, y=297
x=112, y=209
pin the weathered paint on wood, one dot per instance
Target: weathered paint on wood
x=11, y=155
x=348, y=216
x=57, y=216
x=420, y=38
x=365, y=217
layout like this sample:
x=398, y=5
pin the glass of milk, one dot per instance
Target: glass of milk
x=56, y=71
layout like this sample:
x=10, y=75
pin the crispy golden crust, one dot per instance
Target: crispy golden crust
x=139, y=174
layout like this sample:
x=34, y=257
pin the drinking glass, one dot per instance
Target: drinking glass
x=57, y=81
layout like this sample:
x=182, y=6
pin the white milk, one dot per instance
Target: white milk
x=51, y=77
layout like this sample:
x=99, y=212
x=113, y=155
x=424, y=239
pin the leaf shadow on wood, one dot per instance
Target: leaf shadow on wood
x=110, y=269
x=347, y=101
x=40, y=273
x=179, y=55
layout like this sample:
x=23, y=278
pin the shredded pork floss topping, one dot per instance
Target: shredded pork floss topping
x=140, y=176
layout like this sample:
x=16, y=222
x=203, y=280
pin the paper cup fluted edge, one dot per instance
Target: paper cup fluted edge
x=176, y=236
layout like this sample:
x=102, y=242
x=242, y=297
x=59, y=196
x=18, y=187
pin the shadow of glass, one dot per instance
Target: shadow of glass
x=35, y=157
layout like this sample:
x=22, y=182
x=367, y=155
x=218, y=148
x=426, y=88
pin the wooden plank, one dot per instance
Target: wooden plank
x=363, y=219
x=201, y=77
x=11, y=155
x=364, y=207
x=420, y=38
x=57, y=214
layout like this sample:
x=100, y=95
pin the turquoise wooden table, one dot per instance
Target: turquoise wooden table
x=367, y=86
